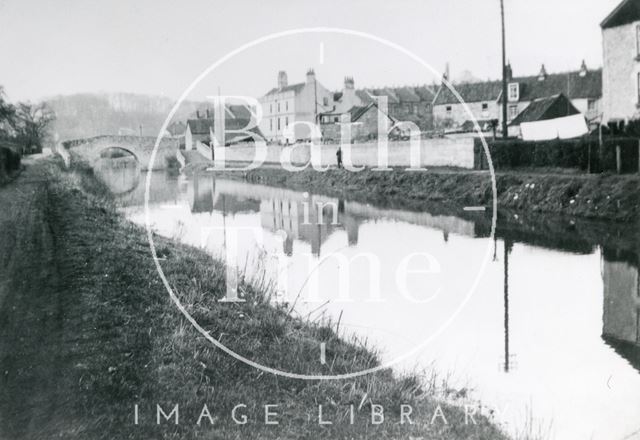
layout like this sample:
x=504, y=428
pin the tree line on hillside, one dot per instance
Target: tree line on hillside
x=25, y=125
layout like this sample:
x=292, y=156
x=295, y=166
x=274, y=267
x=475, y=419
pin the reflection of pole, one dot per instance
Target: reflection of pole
x=224, y=226
x=507, y=250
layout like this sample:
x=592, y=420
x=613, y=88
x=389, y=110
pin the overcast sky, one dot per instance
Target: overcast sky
x=160, y=47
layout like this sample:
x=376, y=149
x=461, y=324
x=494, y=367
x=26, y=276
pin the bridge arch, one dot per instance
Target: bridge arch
x=141, y=147
x=104, y=152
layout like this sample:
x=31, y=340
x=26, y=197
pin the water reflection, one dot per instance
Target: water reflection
x=554, y=328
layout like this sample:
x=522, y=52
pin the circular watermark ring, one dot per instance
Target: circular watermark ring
x=180, y=306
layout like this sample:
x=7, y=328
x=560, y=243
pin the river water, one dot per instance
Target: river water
x=541, y=324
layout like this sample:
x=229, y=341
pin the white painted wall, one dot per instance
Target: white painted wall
x=433, y=152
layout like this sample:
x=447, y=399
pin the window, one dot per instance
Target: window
x=270, y=124
x=278, y=107
x=485, y=106
x=638, y=88
x=271, y=108
x=286, y=121
x=513, y=111
x=278, y=123
x=638, y=40
x=286, y=105
x=325, y=101
x=415, y=109
x=449, y=109
x=514, y=92
x=591, y=105
x=336, y=119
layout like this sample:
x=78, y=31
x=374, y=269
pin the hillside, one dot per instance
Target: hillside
x=92, y=114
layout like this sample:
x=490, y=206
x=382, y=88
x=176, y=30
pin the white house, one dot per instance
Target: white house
x=285, y=104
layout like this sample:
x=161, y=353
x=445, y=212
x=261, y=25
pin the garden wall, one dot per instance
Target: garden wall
x=433, y=152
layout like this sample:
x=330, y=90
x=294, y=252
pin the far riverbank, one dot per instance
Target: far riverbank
x=604, y=197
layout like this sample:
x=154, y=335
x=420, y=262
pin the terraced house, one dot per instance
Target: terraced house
x=360, y=107
x=583, y=87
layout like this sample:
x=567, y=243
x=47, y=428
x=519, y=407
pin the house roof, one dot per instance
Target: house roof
x=237, y=117
x=571, y=84
x=365, y=96
x=407, y=94
x=626, y=12
x=357, y=112
x=469, y=92
x=543, y=109
x=426, y=93
x=200, y=126
x=296, y=88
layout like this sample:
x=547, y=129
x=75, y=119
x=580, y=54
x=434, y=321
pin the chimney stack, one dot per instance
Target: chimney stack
x=543, y=73
x=509, y=71
x=446, y=75
x=197, y=114
x=583, y=69
x=282, y=79
x=348, y=82
x=311, y=76
x=208, y=114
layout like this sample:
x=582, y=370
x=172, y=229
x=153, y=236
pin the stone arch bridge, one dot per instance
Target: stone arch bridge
x=141, y=147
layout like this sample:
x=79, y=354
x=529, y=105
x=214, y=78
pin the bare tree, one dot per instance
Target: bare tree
x=7, y=117
x=32, y=123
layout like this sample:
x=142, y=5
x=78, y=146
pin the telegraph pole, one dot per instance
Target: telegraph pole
x=505, y=132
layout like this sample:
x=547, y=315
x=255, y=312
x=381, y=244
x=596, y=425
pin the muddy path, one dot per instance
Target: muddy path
x=33, y=379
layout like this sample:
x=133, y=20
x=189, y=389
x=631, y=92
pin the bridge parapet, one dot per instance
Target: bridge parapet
x=141, y=147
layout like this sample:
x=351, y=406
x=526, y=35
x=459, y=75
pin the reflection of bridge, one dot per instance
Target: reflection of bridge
x=141, y=148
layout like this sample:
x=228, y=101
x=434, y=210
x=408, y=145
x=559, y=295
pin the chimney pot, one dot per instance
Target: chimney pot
x=282, y=79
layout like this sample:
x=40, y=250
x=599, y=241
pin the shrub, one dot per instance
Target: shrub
x=561, y=153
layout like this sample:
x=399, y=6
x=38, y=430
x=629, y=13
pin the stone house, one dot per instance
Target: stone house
x=410, y=104
x=363, y=120
x=621, y=53
x=202, y=129
x=484, y=99
x=288, y=103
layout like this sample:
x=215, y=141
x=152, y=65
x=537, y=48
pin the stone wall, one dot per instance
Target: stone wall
x=433, y=152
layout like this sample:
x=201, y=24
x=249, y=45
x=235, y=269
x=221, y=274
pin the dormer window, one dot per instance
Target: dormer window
x=514, y=92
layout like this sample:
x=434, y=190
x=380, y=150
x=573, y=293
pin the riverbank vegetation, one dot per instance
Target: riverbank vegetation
x=123, y=343
x=602, y=196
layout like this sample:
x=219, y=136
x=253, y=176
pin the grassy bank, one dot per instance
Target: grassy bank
x=123, y=343
x=609, y=197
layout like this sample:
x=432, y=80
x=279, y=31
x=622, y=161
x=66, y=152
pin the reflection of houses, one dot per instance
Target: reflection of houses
x=310, y=220
x=201, y=191
x=621, y=301
x=203, y=197
x=621, y=316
